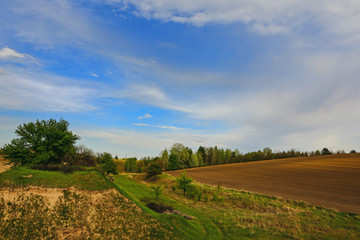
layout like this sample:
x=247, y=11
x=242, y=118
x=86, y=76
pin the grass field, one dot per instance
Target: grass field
x=329, y=181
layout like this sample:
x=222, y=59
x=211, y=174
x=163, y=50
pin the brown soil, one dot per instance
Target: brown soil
x=329, y=181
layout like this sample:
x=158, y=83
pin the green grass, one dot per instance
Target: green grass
x=231, y=214
x=199, y=228
x=82, y=180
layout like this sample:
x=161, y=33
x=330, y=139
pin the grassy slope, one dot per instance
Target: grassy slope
x=231, y=214
x=200, y=228
x=84, y=180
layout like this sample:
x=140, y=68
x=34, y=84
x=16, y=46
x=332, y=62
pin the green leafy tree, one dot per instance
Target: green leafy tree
x=154, y=170
x=184, y=182
x=194, y=161
x=105, y=157
x=107, y=163
x=173, y=162
x=39, y=143
x=131, y=165
x=176, y=149
x=109, y=167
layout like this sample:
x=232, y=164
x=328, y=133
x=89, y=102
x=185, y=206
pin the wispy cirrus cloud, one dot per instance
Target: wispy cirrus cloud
x=279, y=17
x=160, y=126
x=22, y=89
x=11, y=55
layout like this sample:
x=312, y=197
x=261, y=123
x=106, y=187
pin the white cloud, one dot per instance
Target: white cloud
x=142, y=143
x=145, y=116
x=94, y=75
x=266, y=17
x=32, y=91
x=160, y=126
x=50, y=23
x=8, y=54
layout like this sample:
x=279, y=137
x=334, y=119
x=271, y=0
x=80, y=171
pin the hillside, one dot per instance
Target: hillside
x=84, y=205
x=330, y=181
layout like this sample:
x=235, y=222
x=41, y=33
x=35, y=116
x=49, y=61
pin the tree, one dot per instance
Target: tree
x=194, y=161
x=176, y=149
x=107, y=163
x=109, y=167
x=267, y=152
x=352, y=151
x=173, y=162
x=105, y=157
x=184, y=182
x=42, y=142
x=184, y=159
x=154, y=170
x=165, y=159
x=130, y=165
x=325, y=151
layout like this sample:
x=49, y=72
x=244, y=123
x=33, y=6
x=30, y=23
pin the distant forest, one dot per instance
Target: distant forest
x=181, y=157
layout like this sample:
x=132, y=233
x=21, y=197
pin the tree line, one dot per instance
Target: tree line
x=181, y=157
x=51, y=145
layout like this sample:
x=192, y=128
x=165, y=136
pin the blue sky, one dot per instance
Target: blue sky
x=135, y=77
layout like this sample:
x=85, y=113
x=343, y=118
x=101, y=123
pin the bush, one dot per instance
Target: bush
x=157, y=190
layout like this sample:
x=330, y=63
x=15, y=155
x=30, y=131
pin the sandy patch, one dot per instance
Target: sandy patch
x=50, y=194
x=3, y=167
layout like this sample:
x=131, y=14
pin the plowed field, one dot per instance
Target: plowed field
x=330, y=181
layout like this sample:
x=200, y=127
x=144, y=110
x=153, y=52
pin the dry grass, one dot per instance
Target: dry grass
x=37, y=213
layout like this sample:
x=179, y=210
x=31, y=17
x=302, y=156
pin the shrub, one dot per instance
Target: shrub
x=157, y=190
x=184, y=182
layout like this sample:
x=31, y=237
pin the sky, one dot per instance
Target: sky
x=134, y=77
